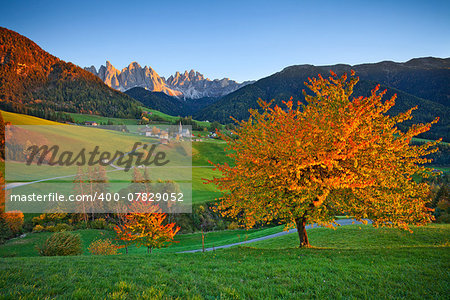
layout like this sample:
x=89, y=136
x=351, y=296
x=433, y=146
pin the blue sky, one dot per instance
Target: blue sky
x=242, y=40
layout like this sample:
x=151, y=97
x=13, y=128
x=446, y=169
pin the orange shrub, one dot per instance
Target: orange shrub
x=14, y=220
x=103, y=247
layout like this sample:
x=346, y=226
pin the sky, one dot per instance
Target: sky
x=241, y=40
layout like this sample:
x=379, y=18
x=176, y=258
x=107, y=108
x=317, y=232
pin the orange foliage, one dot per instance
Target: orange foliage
x=147, y=229
x=336, y=153
x=103, y=247
x=14, y=220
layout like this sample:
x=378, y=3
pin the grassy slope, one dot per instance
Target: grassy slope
x=355, y=263
x=19, y=119
x=202, y=152
x=171, y=118
x=26, y=247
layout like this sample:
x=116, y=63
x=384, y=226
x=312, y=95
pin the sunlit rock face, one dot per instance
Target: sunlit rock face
x=192, y=85
x=132, y=76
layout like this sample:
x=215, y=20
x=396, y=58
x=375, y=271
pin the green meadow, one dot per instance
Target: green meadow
x=74, y=137
x=172, y=118
x=355, y=261
x=350, y=262
x=26, y=246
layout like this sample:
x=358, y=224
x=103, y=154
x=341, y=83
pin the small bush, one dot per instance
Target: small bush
x=444, y=218
x=81, y=225
x=61, y=244
x=99, y=224
x=49, y=219
x=50, y=228
x=63, y=227
x=38, y=228
x=5, y=231
x=14, y=220
x=103, y=247
x=233, y=226
x=38, y=220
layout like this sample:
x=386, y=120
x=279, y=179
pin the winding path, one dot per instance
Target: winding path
x=342, y=222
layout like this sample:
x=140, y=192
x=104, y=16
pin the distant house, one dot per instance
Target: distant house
x=164, y=135
x=90, y=123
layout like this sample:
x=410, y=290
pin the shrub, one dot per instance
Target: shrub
x=5, y=231
x=38, y=228
x=39, y=220
x=50, y=219
x=59, y=227
x=81, y=225
x=103, y=247
x=444, y=218
x=10, y=225
x=233, y=226
x=63, y=227
x=99, y=224
x=50, y=228
x=14, y=220
x=61, y=244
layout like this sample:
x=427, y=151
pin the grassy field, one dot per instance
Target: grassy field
x=346, y=263
x=26, y=246
x=19, y=119
x=171, y=118
x=202, y=152
x=213, y=151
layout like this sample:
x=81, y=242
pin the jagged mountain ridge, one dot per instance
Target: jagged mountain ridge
x=132, y=76
x=191, y=85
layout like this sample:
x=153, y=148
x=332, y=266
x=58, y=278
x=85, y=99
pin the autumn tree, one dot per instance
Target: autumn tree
x=124, y=234
x=147, y=229
x=336, y=153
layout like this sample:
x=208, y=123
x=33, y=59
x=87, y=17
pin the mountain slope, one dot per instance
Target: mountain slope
x=427, y=77
x=167, y=104
x=290, y=82
x=33, y=81
x=157, y=100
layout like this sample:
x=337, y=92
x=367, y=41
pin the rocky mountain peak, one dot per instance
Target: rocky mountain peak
x=189, y=84
x=134, y=65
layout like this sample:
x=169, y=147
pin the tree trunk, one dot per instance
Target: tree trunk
x=149, y=250
x=126, y=249
x=301, y=229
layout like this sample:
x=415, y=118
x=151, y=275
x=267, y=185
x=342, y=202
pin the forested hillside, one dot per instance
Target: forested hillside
x=35, y=82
